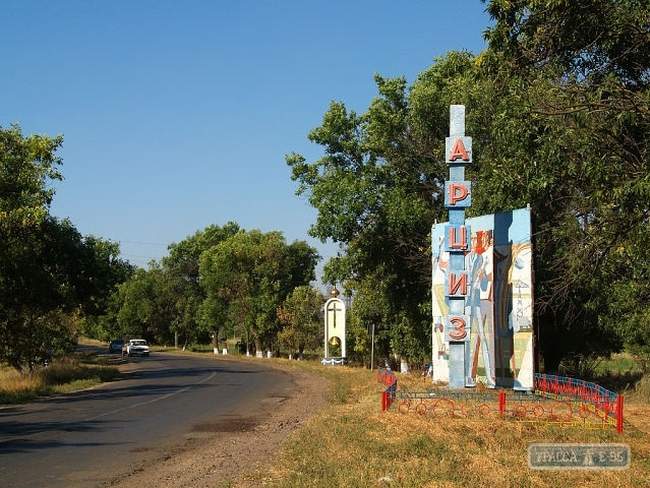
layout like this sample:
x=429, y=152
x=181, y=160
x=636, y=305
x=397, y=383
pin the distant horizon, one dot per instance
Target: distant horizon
x=178, y=117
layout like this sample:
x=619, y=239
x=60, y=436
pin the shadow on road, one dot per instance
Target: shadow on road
x=27, y=445
x=29, y=428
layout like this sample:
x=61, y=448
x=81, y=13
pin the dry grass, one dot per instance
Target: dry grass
x=60, y=377
x=351, y=443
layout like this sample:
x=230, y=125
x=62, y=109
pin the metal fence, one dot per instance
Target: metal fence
x=556, y=399
x=603, y=402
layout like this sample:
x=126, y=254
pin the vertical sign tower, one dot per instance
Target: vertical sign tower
x=458, y=197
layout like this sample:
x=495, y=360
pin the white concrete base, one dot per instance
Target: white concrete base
x=403, y=366
x=259, y=354
x=224, y=351
x=269, y=354
x=215, y=350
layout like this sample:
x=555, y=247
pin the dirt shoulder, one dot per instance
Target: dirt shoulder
x=232, y=450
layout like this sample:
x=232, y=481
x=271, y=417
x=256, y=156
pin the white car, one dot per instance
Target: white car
x=137, y=346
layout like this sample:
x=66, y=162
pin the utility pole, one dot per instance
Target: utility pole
x=372, y=348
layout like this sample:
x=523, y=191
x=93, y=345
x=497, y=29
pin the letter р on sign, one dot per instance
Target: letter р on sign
x=458, y=194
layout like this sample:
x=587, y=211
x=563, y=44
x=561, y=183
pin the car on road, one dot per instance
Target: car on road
x=137, y=347
x=116, y=346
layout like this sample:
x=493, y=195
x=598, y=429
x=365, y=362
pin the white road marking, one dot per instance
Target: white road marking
x=140, y=404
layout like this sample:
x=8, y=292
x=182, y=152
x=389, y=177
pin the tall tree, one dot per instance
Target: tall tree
x=251, y=273
x=181, y=269
x=50, y=276
x=144, y=306
x=299, y=316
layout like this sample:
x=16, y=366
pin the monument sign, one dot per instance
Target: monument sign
x=458, y=197
x=482, y=285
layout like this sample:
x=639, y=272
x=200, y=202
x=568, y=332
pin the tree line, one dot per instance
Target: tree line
x=559, y=110
x=221, y=282
x=57, y=284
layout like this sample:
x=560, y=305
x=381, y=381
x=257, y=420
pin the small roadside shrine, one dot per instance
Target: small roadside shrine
x=334, y=319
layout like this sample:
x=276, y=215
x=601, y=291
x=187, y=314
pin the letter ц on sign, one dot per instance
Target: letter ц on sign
x=457, y=237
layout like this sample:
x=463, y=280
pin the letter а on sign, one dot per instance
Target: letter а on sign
x=458, y=150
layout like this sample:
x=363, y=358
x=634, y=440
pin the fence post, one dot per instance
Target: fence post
x=619, y=414
x=502, y=403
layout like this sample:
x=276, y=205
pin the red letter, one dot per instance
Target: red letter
x=456, y=242
x=457, y=193
x=456, y=283
x=459, y=331
x=458, y=151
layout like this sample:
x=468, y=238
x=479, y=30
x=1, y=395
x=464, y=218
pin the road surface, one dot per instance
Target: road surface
x=92, y=437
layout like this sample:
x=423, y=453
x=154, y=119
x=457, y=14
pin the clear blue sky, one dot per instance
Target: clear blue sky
x=178, y=114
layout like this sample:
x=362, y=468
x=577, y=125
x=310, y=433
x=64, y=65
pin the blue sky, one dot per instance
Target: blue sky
x=177, y=114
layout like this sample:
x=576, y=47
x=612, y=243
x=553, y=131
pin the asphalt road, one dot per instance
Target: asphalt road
x=91, y=437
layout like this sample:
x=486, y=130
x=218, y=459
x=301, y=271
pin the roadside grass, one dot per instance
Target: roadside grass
x=352, y=443
x=62, y=376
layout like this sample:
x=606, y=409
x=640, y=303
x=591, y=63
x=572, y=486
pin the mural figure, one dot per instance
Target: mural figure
x=481, y=312
x=499, y=302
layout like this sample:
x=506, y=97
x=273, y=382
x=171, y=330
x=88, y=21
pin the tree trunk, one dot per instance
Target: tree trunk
x=548, y=343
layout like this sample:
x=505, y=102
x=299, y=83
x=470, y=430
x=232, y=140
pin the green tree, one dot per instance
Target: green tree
x=144, y=307
x=50, y=276
x=569, y=83
x=372, y=189
x=192, y=318
x=251, y=273
x=299, y=316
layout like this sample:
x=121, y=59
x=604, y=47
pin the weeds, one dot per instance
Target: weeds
x=351, y=443
x=60, y=377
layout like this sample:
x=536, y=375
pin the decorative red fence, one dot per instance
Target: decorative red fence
x=605, y=403
x=557, y=399
x=389, y=380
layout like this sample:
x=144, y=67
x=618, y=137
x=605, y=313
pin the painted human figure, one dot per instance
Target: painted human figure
x=480, y=276
x=440, y=271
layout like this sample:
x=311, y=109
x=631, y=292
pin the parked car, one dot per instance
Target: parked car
x=137, y=347
x=116, y=346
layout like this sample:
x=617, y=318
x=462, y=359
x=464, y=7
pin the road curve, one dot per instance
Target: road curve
x=91, y=437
